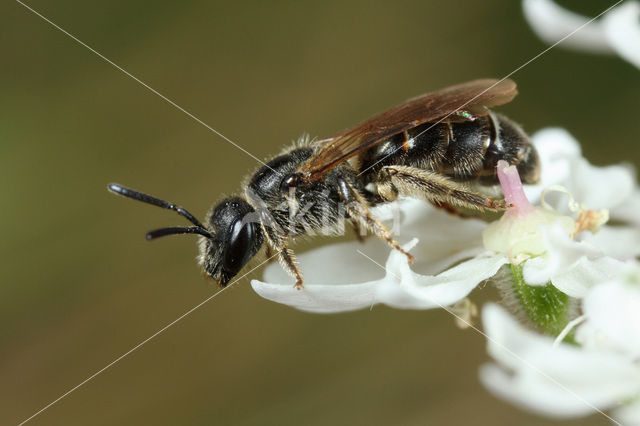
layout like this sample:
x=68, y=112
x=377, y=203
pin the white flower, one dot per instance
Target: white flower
x=618, y=31
x=611, y=187
x=566, y=380
x=543, y=241
x=572, y=266
x=330, y=270
x=612, y=312
x=339, y=277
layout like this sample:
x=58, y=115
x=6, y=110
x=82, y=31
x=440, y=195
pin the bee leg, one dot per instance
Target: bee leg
x=358, y=230
x=358, y=210
x=419, y=183
x=270, y=253
x=450, y=209
x=277, y=242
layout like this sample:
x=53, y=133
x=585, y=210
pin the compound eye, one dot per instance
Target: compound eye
x=238, y=251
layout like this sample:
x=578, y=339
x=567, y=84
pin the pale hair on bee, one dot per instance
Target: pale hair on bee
x=442, y=147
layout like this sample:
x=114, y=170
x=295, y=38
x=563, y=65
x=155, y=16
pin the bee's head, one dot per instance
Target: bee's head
x=236, y=238
x=231, y=238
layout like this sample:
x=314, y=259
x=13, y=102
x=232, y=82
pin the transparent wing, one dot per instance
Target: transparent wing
x=451, y=104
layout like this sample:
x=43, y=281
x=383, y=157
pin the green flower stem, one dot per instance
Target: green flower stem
x=546, y=306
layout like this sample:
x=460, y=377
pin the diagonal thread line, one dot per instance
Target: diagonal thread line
x=262, y=162
x=145, y=85
x=499, y=81
x=124, y=355
x=516, y=356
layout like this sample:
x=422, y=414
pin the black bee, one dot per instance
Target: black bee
x=441, y=147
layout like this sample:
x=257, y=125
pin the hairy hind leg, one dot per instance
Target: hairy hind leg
x=450, y=209
x=430, y=186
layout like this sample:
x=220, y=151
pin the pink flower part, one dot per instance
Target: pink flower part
x=512, y=189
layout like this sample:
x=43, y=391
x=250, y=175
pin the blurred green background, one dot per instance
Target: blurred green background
x=79, y=284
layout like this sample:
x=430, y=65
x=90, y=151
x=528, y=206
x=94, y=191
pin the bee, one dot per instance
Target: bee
x=442, y=147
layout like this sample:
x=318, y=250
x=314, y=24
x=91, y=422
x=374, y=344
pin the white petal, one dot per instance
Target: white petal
x=325, y=289
x=628, y=210
x=445, y=239
x=591, y=185
x=417, y=291
x=586, y=273
x=562, y=254
x=563, y=164
x=618, y=31
x=622, y=28
x=557, y=150
x=558, y=381
x=320, y=298
x=613, y=317
x=338, y=278
x=410, y=218
x=620, y=242
x=551, y=23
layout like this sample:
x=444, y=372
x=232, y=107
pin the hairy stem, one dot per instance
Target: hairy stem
x=546, y=306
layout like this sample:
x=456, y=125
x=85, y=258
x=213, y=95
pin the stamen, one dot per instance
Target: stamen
x=590, y=220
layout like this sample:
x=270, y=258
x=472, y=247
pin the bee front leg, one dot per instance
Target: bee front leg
x=358, y=210
x=430, y=186
x=269, y=253
x=277, y=243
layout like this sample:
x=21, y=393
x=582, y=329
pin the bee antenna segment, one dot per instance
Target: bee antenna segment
x=162, y=232
x=146, y=198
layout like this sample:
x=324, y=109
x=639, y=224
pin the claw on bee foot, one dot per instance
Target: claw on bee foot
x=298, y=285
x=410, y=258
x=499, y=204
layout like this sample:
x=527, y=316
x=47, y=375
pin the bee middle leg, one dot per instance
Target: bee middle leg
x=358, y=210
x=430, y=186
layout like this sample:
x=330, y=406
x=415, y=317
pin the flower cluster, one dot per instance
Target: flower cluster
x=454, y=255
x=560, y=258
x=600, y=370
x=616, y=32
x=593, y=364
x=564, y=256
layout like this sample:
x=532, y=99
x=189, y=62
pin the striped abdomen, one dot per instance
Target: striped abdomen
x=467, y=151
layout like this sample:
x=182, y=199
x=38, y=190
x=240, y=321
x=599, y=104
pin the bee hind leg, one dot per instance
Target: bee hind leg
x=433, y=187
x=450, y=209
